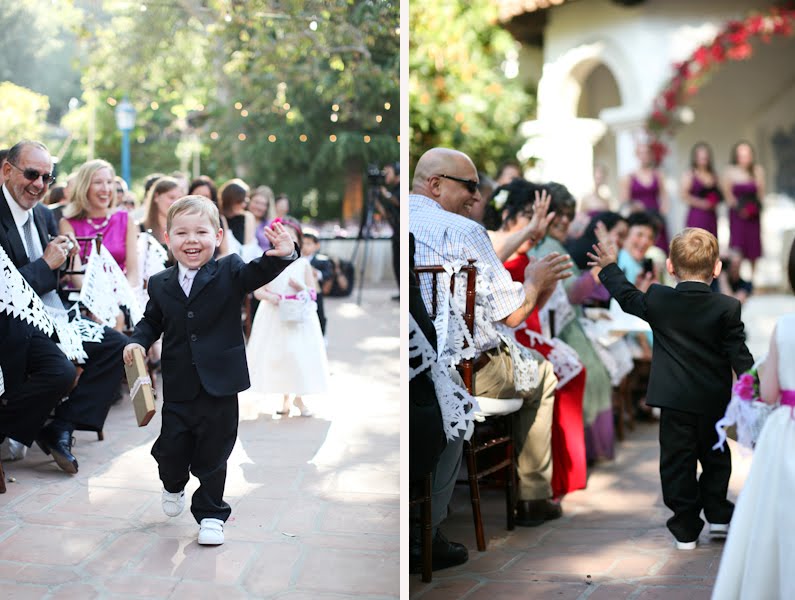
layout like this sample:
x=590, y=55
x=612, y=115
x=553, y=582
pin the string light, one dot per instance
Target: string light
x=228, y=18
x=242, y=137
x=271, y=138
x=214, y=135
x=387, y=105
x=154, y=105
x=367, y=139
x=332, y=137
x=286, y=106
x=334, y=117
x=378, y=118
x=313, y=25
x=238, y=105
x=335, y=107
x=398, y=139
x=112, y=101
x=244, y=113
x=302, y=137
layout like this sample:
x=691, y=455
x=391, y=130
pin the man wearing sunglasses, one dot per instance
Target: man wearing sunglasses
x=444, y=189
x=29, y=236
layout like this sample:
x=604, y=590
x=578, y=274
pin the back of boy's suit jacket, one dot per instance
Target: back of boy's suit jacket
x=202, y=335
x=698, y=341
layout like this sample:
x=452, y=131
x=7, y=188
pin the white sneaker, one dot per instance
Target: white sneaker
x=211, y=532
x=686, y=545
x=173, y=503
x=718, y=530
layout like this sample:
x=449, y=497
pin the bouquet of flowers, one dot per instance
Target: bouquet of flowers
x=749, y=206
x=712, y=195
x=746, y=410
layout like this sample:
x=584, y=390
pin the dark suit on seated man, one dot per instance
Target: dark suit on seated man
x=25, y=231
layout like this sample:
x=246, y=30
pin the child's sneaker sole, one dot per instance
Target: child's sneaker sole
x=686, y=545
x=718, y=530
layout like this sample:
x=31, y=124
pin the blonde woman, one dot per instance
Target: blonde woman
x=92, y=210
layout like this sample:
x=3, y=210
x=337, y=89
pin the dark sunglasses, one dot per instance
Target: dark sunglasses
x=470, y=184
x=33, y=175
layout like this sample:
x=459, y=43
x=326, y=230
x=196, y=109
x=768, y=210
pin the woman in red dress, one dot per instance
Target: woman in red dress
x=509, y=212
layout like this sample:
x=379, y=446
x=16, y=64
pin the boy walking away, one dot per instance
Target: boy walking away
x=698, y=341
x=195, y=305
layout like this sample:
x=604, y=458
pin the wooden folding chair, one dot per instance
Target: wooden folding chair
x=420, y=494
x=482, y=439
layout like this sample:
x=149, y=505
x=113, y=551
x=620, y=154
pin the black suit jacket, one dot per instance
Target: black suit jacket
x=37, y=273
x=698, y=341
x=202, y=334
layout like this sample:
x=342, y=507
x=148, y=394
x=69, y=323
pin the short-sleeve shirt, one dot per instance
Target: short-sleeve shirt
x=442, y=237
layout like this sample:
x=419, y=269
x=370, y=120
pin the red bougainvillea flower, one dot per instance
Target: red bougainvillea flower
x=740, y=52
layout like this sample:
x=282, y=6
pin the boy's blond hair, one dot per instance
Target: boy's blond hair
x=193, y=205
x=694, y=252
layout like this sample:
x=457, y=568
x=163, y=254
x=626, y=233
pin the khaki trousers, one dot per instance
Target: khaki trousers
x=532, y=423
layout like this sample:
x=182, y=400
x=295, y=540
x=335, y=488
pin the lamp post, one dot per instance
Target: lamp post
x=125, y=121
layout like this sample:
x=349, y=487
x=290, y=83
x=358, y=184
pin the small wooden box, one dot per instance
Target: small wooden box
x=144, y=399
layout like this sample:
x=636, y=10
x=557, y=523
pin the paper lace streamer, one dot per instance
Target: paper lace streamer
x=458, y=407
x=105, y=289
x=18, y=299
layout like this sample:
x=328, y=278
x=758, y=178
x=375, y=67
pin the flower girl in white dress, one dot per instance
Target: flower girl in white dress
x=286, y=353
x=759, y=554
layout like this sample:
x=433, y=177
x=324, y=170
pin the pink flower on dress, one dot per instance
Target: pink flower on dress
x=744, y=387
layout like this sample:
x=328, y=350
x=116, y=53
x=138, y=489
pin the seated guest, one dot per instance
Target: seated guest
x=233, y=196
x=25, y=231
x=444, y=189
x=730, y=282
x=322, y=265
x=92, y=211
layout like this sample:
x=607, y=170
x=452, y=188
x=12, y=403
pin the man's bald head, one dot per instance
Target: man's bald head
x=441, y=174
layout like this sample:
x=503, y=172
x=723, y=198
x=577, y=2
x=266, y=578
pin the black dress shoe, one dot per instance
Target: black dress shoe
x=445, y=554
x=531, y=513
x=59, y=444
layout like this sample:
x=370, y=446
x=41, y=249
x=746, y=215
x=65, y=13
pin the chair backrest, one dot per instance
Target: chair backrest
x=466, y=366
x=84, y=244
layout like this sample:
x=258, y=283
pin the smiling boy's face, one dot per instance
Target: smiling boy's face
x=193, y=239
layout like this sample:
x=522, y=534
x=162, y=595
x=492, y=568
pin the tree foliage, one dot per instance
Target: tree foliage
x=22, y=113
x=245, y=81
x=459, y=96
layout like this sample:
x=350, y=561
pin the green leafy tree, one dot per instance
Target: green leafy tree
x=22, y=114
x=459, y=96
x=296, y=95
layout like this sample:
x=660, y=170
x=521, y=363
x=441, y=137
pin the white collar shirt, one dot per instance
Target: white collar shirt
x=20, y=216
x=442, y=237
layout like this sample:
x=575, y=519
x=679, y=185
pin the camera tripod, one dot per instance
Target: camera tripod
x=365, y=233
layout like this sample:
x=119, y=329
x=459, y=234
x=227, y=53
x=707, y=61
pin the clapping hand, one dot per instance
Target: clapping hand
x=537, y=228
x=280, y=239
x=605, y=254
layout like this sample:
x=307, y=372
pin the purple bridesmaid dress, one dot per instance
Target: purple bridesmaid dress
x=699, y=217
x=744, y=222
x=649, y=196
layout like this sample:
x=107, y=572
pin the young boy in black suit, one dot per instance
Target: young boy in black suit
x=195, y=305
x=698, y=341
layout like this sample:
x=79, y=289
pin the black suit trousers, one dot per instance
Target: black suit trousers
x=685, y=440
x=98, y=386
x=49, y=375
x=197, y=436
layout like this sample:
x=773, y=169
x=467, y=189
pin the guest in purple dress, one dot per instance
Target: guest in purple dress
x=700, y=190
x=281, y=207
x=261, y=206
x=643, y=190
x=744, y=183
x=92, y=211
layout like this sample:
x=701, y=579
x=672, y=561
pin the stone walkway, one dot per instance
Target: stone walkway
x=612, y=543
x=315, y=502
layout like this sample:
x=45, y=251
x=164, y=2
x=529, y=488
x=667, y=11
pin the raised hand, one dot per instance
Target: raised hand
x=58, y=250
x=537, y=228
x=606, y=254
x=280, y=239
x=547, y=271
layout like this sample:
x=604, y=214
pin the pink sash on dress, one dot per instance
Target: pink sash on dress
x=788, y=398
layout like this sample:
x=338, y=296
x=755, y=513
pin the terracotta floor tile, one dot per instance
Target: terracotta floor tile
x=50, y=545
x=344, y=571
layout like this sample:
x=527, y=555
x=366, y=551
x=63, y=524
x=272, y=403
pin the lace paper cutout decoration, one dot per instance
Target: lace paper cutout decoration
x=152, y=258
x=617, y=357
x=458, y=407
x=18, y=299
x=565, y=360
x=105, y=288
x=69, y=338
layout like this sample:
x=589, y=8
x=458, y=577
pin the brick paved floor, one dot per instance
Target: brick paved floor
x=315, y=502
x=611, y=543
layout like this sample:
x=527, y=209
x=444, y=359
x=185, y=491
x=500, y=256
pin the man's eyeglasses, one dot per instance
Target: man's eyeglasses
x=470, y=184
x=33, y=174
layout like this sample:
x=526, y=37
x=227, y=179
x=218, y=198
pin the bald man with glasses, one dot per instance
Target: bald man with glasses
x=29, y=236
x=444, y=189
